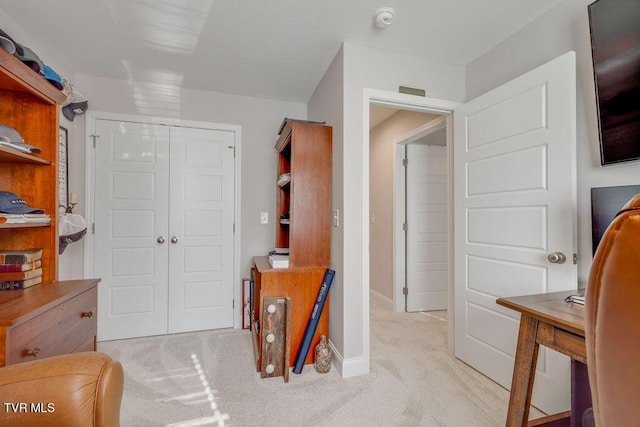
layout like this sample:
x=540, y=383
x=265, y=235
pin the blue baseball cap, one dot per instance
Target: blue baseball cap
x=11, y=203
x=53, y=77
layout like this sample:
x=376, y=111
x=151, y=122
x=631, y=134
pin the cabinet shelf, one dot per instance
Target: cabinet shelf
x=7, y=155
x=24, y=225
x=16, y=76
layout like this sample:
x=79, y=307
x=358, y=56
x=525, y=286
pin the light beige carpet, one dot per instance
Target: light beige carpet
x=208, y=378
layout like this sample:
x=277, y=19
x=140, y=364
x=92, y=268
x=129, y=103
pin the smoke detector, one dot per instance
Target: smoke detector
x=384, y=17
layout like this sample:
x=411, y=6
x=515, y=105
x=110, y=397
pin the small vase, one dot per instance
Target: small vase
x=323, y=356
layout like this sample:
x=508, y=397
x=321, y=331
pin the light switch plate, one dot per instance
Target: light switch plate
x=264, y=217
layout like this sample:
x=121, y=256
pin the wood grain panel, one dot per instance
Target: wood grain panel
x=49, y=317
x=301, y=286
x=57, y=331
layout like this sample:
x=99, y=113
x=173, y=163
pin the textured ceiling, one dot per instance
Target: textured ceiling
x=275, y=49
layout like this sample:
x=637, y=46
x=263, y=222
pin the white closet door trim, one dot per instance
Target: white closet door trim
x=91, y=118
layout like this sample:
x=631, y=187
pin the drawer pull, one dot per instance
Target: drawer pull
x=88, y=314
x=33, y=352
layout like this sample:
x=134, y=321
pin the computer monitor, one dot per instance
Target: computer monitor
x=606, y=202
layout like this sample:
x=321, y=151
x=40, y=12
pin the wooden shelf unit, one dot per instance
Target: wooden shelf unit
x=53, y=317
x=304, y=152
x=30, y=105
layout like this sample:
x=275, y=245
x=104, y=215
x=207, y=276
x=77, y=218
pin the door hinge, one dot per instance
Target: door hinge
x=233, y=147
x=94, y=137
x=405, y=227
x=234, y=227
x=233, y=303
x=93, y=228
x=405, y=291
x=405, y=162
x=575, y=258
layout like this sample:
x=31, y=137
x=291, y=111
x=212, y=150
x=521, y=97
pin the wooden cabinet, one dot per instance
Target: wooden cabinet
x=54, y=317
x=304, y=226
x=301, y=285
x=30, y=106
x=304, y=197
x=48, y=320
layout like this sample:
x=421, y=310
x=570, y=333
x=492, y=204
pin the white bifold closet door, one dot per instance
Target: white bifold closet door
x=164, y=200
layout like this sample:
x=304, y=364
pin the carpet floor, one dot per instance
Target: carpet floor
x=208, y=379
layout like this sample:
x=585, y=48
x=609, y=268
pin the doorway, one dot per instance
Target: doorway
x=408, y=208
x=410, y=103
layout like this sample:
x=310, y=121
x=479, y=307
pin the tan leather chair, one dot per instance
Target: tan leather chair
x=612, y=322
x=74, y=390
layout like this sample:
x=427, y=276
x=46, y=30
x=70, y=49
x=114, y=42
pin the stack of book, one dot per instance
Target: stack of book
x=575, y=298
x=25, y=218
x=20, y=269
x=279, y=258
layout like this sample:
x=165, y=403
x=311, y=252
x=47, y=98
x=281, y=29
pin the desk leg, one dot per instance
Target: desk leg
x=524, y=370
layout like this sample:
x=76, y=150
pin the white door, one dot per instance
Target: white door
x=514, y=198
x=201, y=229
x=131, y=213
x=427, y=231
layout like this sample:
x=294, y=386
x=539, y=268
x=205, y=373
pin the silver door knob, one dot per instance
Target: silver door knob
x=160, y=239
x=557, y=258
x=174, y=239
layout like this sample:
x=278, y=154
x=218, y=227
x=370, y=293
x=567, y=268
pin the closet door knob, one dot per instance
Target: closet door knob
x=557, y=258
x=174, y=239
x=160, y=239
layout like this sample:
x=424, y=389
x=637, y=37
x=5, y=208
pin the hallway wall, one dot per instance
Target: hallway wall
x=381, y=188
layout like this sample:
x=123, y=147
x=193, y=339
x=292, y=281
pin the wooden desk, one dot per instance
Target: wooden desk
x=546, y=319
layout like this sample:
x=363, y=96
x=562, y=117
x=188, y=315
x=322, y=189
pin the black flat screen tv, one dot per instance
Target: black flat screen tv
x=606, y=202
x=615, y=49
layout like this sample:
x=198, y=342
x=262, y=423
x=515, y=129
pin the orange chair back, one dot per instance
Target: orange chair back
x=612, y=321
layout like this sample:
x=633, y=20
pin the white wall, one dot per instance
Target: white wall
x=376, y=69
x=562, y=29
x=381, y=190
x=372, y=69
x=326, y=104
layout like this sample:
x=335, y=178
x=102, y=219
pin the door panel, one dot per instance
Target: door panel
x=131, y=212
x=201, y=269
x=427, y=234
x=514, y=198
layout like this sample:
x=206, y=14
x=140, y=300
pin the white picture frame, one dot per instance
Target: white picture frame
x=63, y=167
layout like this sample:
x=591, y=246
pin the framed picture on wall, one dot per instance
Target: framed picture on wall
x=63, y=167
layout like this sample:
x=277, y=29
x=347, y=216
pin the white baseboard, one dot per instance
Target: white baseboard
x=350, y=367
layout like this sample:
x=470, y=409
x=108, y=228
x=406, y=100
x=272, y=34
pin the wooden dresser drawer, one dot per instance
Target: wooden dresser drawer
x=59, y=330
x=48, y=321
